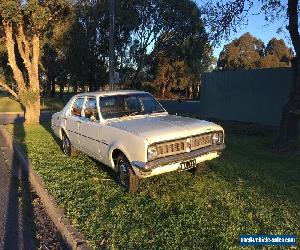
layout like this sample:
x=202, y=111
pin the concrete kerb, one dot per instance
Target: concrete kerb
x=73, y=238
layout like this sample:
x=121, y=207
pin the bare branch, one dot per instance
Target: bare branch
x=23, y=47
x=6, y=87
x=18, y=76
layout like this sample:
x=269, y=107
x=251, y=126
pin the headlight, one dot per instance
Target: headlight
x=220, y=138
x=152, y=153
x=217, y=138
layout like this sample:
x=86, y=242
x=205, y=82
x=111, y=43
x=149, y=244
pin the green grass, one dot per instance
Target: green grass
x=8, y=104
x=248, y=190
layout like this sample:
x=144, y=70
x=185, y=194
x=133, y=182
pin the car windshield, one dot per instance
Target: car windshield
x=128, y=105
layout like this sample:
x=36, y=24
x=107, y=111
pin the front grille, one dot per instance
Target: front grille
x=183, y=145
x=171, y=148
x=201, y=141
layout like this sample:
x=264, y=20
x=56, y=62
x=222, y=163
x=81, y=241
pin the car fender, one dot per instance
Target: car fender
x=118, y=147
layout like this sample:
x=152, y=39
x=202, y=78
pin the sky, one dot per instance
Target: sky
x=258, y=27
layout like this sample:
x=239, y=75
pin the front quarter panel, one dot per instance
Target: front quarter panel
x=133, y=146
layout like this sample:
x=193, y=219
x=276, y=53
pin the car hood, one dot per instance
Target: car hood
x=164, y=127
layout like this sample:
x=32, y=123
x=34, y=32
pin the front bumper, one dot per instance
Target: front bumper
x=149, y=166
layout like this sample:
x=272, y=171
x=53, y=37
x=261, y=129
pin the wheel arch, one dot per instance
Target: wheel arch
x=114, y=152
x=62, y=132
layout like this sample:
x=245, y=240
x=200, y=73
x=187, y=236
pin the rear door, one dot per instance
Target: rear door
x=73, y=121
x=90, y=129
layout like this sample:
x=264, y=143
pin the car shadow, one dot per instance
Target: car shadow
x=100, y=166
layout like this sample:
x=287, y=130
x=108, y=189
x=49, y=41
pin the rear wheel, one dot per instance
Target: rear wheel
x=67, y=147
x=199, y=169
x=126, y=176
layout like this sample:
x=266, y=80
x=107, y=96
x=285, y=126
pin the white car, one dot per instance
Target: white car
x=133, y=134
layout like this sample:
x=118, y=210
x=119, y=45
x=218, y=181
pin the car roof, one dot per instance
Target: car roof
x=110, y=93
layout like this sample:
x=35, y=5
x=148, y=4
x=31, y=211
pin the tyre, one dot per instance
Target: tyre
x=67, y=147
x=127, y=178
x=199, y=169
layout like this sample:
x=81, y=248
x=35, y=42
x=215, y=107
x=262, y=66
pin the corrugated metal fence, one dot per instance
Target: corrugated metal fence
x=249, y=96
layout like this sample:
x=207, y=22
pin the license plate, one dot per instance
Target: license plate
x=187, y=164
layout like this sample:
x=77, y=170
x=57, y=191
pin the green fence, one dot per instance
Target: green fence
x=250, y=95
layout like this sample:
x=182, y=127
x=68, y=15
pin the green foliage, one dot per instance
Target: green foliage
x=242, y=53
x=248, y=52
x=171, y=75
x=9, y=10
x=36, y=15
x=277, y=54
x=246, y=190
x=77, y=55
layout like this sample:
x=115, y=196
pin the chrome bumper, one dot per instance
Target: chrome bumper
x=148, y=166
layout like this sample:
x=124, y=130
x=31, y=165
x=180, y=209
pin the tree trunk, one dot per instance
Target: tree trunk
x=53, y=89
x=287, y=138
x=32, y=112
x=75, y=88
x=29, y=50
x=163, y=90
x=61, y=90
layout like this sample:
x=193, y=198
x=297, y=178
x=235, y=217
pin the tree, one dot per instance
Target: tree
x=162, y=24
x=249, y=52
x=242, y=53
x=178, y=66
x=170, y=75
x=23, y=23
x=277, y=54
x=225, y=16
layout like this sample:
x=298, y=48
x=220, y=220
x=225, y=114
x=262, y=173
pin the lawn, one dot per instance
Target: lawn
x=8, y=104
x=248, y=190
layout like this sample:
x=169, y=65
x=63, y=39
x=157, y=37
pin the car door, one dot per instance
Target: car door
x=90, y=129
x=73, y=121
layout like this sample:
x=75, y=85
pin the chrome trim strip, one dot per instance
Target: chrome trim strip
x=148, y=166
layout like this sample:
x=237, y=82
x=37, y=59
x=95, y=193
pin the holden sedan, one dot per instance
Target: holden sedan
x=132, y=133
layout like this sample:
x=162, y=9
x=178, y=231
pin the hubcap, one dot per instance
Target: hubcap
x=123, y=173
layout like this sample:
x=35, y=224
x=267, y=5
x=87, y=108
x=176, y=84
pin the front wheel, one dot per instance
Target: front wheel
x=126, y=176
x=67, y=147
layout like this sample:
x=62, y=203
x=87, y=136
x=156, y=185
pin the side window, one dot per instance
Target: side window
x=91, y=110
x=77, y=106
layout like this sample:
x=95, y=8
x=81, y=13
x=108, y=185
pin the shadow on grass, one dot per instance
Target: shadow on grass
x=101, y=167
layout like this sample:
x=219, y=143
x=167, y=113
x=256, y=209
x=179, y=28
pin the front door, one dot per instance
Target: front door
x=90, y=129
x=73, y=121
